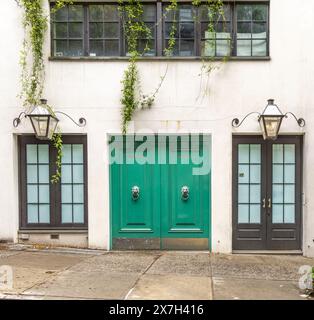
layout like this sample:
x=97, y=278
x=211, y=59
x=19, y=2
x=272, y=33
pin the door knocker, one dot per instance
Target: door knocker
x=135, y=193
x=185, y=193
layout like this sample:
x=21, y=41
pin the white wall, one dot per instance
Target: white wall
x=92, y=90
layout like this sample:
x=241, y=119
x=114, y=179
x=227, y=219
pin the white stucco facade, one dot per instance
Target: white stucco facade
x=92, y=89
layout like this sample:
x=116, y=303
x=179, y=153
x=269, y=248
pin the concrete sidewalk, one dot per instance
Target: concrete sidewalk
x=88, y=274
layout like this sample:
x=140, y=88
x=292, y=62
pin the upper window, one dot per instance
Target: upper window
x=44, y=204
x=98, y=30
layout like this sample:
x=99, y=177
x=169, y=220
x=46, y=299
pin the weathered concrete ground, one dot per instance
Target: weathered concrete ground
x=64, y=274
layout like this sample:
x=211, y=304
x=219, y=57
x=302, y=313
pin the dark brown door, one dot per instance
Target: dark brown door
x=267, y=193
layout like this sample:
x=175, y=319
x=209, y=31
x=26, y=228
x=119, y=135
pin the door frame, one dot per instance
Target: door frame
x=266, y=187
x=111, y=134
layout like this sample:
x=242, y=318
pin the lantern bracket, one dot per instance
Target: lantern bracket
x=236, y=123
x=80, y=123
x=300, y=121
x=18, y=120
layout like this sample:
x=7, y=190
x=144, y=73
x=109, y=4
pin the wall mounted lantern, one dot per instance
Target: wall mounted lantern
x=44, y=120
x=270, y=120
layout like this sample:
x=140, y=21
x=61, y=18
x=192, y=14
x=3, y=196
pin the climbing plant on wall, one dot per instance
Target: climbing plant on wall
x=35, y=24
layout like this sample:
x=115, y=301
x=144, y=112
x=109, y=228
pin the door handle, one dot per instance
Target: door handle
x=269, y=203
x=264, y=203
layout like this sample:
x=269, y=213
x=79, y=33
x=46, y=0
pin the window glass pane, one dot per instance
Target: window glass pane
x=244, y=12
x=244, y=151
x=112, y=48
x=289, y=194
x=66, y=216
x=61, y=14
x=77, y=153
x=243, y=196
x=75, y=30
x=75, y=13
x=96, y=30
x=244, y=30
x=66, y=153
x=60, y=30
x=243, y=173
x=43, y=173
x=187, y=30
x=259, y=30
x=66, y=193
x=78, y=213
x=60, y=48
x=168, y=29
x=277, y=193
x=255, y=153
x=289, y=153
x=43, y=153
x=289, y=173
x=96, y=12
x=277, y=173
x=32, y=213
x=277, y=153
x=277, y=213
x=255, y=173
x=111, y=12
x=44, y=194
x=243, y=213
x=32, y=194
x=32, y=174
x=208, y=48
x=111, y=30
x=149, y=13
x=78, y=176
x=186, y=13
x=289, y=213
x=255, y=213
x=186, y=48
x=66, y=174
x=222, y=48
x=259, y=48
x=75, y=48
x=31, y=153
x=259, y=12
x=244, y=48
x=44, y=214
x=255, y=193
x=78, y=194
x=96, y=48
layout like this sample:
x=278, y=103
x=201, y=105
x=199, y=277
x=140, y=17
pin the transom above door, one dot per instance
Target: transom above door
x=267, y=193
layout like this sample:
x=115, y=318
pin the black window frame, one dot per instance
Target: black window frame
x=55, y=188
x=160, y=38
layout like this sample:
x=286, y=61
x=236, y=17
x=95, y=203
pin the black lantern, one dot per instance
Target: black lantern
x=270, y=121
x=43, y=121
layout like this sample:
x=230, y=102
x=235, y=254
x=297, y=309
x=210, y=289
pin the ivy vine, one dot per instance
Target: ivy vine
x=35, y=24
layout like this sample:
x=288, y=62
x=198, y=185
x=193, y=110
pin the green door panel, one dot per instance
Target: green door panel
x=160, y=217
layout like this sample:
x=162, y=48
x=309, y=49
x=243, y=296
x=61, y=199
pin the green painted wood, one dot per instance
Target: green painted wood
x=160, y=212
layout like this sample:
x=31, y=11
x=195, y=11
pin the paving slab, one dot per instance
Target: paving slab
x=86, y=285
x=252, y=289
x=183, y=263
x=171, y=287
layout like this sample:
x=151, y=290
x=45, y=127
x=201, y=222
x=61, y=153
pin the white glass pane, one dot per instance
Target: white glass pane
x=66, y=153
x=244, y=150
x=78, y=213
x=32, y=174
x=244, y=48
x=66, y=194
x=243, y=196
x=43, y=173
x=32, y=213
x=277, y=193
x=255, y=153
x=259, y=47
x=78, y=193
x=44, y=194
x=255, y=193
x=223, y=48
x=44, y=214
x=66, y=174
x=243, y=173
x=77, y=153
x=255, y=213
x=32, y=194
x=277, y=153
x=289, y=214
x=289, y=173
x=31, y=153
x=43, y=153
x=277, y=213
x=78, y=176
x=66, y=213
x=289, y=153
x=277, y=173
x=255, y=173
x=289, y=194
x=243, y=213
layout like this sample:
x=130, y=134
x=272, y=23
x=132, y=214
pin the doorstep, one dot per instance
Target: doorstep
x=271, y=252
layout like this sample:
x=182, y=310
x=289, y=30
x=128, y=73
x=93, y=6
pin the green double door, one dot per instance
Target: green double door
x=160, y=192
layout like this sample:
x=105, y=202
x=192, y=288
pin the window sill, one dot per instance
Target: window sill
x=97, y=59
x=49, y=231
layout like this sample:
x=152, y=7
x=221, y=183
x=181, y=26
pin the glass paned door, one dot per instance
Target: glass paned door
x=267, y=193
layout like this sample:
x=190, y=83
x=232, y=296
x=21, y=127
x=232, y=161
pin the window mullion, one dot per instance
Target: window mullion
x=86, y=30
x=159, y=27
